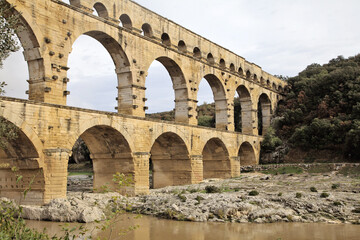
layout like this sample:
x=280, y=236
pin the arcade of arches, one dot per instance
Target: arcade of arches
x=126, y=142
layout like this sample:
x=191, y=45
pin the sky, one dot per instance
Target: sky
x=281, y=36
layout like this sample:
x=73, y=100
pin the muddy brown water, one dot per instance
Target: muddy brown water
x=161, y=229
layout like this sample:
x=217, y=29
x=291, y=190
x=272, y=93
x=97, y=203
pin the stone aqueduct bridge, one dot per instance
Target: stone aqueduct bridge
x=181, y=152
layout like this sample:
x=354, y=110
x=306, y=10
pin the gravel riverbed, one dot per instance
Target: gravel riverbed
x=252, y=197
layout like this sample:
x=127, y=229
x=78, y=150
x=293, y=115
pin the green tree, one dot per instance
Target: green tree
x=9, y=23
x=322, y=108
x=271, y=141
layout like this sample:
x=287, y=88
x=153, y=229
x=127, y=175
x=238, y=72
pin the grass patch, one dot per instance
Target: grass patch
x=350, y=171
x=182, y=198
x=319, y=169
x=80, y=173
x=284, y=170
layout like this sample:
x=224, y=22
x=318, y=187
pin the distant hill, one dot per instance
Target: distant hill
x=206, y=115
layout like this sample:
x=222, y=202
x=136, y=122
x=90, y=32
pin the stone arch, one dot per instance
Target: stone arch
x=280, y=103
x=197, y=52
x=30, y=36
x=171, y=164
x=241, y=71
x=110, y=153
x=232, y=67
x=210, y=58
x=268, y=83
x=27, y=130
x=262, y=81
x=247, y=154
x=255, y=78
x=216, y=161
x=182, y=46
x=220, y=100
x=115, y=50
x=22, y=153
x=121, y=62
x=248, y=75
x=126, y=21
x=165, y=39
x=179, y=86
x=86, y=124
x=280, y=89
x=222, y=63
x=101, y=10
x=245, y=111
x=264, y=113
x=274, y=86
x=147, y=30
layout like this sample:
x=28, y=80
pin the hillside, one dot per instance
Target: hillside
x=321, y=112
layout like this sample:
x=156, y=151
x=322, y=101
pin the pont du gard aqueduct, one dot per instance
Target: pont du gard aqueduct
x=124, y=142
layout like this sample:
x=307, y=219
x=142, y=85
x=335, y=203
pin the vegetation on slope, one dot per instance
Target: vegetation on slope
x=322, y=109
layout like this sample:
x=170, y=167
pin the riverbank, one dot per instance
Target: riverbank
x=282, y=195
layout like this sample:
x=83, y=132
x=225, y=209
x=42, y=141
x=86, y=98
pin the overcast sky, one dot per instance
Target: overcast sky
x=281, y=36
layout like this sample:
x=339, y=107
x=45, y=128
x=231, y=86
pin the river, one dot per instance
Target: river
x=161, y=229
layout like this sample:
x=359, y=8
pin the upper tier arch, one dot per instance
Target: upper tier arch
x=162, y=25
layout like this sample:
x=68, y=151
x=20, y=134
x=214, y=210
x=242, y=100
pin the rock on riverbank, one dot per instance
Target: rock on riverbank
x=330, y=198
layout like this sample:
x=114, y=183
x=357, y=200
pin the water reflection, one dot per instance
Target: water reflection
x=159, y=229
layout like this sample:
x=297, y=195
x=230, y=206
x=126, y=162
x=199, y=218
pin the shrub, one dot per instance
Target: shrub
x=193, y=190
x=182, y=198
x=324, y=195
x=271, y=141
x=199, y=198
x=12, y=226
x=313, y=189
x=298, y=195
x=253, y=193
x=337, y=203
x=212, y=189
x=335, y=186
x=280, y=194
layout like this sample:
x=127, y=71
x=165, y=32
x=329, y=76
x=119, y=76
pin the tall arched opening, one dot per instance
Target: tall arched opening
x=15, y=72
x=92, y=65
x=216, y=161
x=247, y=155
x=110, y=154
x=216, y=113
x=171, y=165
x=264, y=113
x=243, y=111
x=20, y=167
x=174, y=102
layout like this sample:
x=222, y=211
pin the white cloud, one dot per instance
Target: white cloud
x=281, y=36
